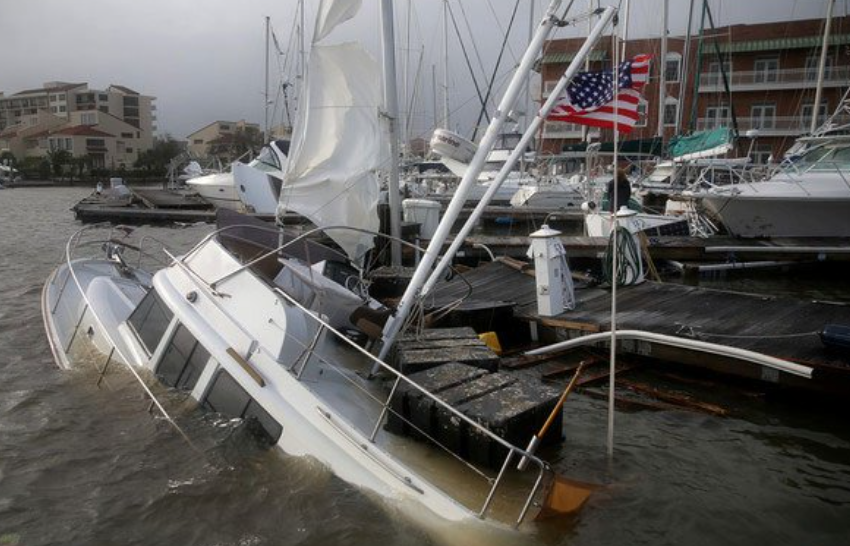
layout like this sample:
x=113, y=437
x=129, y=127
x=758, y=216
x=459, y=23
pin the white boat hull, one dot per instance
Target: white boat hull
x=218, y=189
x=750, y=217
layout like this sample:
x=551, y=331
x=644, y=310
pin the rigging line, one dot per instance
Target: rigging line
x=472, y=38
x=495, y=70
x=466, y=58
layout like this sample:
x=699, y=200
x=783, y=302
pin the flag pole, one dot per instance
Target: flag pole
x=614, y=260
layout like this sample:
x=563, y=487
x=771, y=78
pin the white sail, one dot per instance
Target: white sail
x=338, y=146
x=333, y=13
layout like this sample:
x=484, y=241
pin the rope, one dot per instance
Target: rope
x=628, y=258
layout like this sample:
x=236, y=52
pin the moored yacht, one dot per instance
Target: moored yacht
x=253, y=186
x=807, y=197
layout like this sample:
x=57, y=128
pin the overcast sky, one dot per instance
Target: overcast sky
x=204, y=60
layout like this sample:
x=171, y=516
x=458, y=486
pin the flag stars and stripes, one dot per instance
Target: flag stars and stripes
x=589, y=99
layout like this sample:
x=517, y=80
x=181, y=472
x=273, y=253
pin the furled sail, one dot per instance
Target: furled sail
x=338, y=146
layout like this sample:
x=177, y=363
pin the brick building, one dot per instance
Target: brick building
x=771, y=69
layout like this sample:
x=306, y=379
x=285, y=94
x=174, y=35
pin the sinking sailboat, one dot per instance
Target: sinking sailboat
x=273, y=328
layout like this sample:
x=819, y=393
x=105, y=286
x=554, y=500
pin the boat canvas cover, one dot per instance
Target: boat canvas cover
x=338, y=146
x=701, y=144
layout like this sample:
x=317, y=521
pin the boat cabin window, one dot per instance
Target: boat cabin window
x=267, y=160
x=183, y=361
x=150, y=320
x=825, y=158
x=228, y=398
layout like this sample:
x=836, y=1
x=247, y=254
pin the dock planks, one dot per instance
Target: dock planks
x=781, y=327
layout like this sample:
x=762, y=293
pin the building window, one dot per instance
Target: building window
x=806, y=115
x=224, y=127
x=714, y=76
x=126, y=135
x=150, y=320
x=716, y=116
x=198, y=141
x=103, y=109
x=671, y=112
x=183, y=361
x=62, y=108
x=103, y=97
x=763, y=116
x=762, y=154
x=69, y=144
x=128, y=150
x=766, y=70
x=88, y=119
x=672, y=68
x=548, y=87
x=813, y=65
x=228, y=398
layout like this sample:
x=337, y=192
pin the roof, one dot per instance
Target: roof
x=568, y=56
x=798, y=42
x=123, y=89
x=82, y=130
x=48, y=89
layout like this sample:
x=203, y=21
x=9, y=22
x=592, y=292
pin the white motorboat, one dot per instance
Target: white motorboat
x=251, y=187
x=258, y=324
x=809, y=197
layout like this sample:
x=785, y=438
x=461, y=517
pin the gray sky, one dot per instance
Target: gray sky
x=204, y=60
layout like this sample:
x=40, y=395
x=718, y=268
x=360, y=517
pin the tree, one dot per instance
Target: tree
x=58, y=159
x=233, y=145
x=156, y=159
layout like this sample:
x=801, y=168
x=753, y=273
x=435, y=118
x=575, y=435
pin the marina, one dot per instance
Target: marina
x=611, y=310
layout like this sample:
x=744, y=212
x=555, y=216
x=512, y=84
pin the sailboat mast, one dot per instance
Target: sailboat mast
x=446, y=64
x=822, y=66
x=391, y=106
x=411, y=294
x=686, y=68
x=266, y=94
x=662, y=69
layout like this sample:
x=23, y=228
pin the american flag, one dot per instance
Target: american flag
x=589, y=99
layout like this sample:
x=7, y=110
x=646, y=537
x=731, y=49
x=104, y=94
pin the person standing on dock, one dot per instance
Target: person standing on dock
x=624, y=191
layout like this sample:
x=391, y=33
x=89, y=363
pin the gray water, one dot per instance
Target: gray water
x=81, y=464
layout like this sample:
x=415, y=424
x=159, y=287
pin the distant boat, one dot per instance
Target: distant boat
x=809, y=197
x=251, y=187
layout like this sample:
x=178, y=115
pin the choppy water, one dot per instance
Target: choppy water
x=86, y=465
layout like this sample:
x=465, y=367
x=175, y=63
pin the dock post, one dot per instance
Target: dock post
x=552, y=275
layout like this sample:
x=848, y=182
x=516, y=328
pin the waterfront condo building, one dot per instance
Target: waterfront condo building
x=202, y=141
x=771, y=73
x=110, y=127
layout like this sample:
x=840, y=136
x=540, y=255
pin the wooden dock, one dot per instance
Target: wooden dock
x=684, y=249
x=781, y=327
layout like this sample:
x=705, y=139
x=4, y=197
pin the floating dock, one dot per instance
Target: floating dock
x=779, y=327
x=683, y=249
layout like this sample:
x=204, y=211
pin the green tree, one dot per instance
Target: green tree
x=233, y=145
x=58, y=159
x=8, y=158
x=155, y=160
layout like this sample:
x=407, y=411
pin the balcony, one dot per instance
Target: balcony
x=560, y=129
x=777, y=126
x=792, y=78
